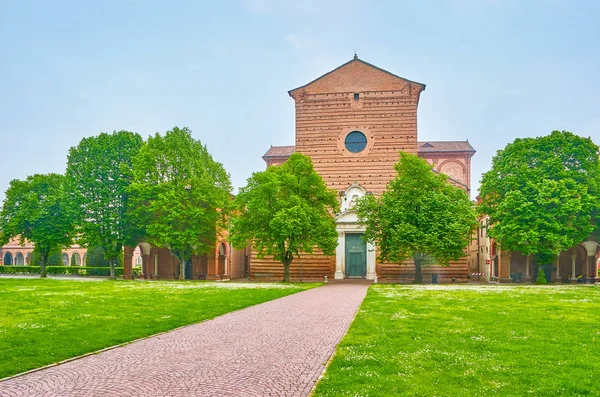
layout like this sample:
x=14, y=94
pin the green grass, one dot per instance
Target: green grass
x=470, y=341
x=46, y=321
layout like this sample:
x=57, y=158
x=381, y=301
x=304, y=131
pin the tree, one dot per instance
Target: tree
x=94, y=257
x=419, y=216
x=36, y=210
x=542, y=194
x=54, y=257
x=182, y=196
x=286, y=210
x=99, y=174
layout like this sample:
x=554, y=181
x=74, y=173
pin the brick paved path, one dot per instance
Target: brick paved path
x=277, y=348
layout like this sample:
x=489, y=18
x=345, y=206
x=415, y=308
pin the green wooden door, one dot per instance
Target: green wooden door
x=356, y=256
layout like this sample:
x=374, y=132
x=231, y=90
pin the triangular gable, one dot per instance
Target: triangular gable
x=356, y=75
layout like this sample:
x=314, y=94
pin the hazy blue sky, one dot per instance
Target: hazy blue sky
x=495, y=70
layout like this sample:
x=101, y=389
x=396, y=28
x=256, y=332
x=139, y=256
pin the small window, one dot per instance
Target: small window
x=356, y=96
x=355, y=142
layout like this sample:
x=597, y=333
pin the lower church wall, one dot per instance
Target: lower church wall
x=312, y=266
x=405, y=273
x=315, y=266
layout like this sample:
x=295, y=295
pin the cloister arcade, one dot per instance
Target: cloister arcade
x=159, y=263
x=16, y=254
x=151, y=262
x=581, y=261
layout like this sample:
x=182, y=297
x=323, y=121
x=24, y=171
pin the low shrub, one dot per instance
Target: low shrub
x=541, y=277
x=516, y=277
x=9, y=269
x=83, y=270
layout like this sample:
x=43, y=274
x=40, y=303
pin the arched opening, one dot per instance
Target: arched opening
x=137, y=257
x=222, y=259
x=76, y=259
x=65, y=259
x=28, y=259
x=149, y=265
x=8, y=259
x=19, y=259
x=494, y=263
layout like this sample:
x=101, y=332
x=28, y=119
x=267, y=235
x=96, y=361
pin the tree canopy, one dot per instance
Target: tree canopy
x=99, y=174
x=181, y=195
x=36, y=210
x=542, y=194
x=420, y=215
x=286, y=210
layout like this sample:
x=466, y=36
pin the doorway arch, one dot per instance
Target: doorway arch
x=222, y=260
x=8, y=259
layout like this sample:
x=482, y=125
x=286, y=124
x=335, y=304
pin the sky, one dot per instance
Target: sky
x=495, y=70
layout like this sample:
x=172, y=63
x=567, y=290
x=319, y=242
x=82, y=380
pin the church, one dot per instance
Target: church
x=352, y=122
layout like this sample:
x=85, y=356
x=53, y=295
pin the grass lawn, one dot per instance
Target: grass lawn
x=470, y=341
x=45, y=321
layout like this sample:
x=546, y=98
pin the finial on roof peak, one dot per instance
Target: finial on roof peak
x=355, y=56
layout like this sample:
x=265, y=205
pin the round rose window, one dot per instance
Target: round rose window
x=355, y=142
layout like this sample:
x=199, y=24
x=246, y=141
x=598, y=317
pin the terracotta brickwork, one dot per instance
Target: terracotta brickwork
x=159, y=263
x=14, y=253
x=358, y=96
x=452, y=158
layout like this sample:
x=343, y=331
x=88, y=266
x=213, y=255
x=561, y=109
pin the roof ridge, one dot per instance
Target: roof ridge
x=355, y=59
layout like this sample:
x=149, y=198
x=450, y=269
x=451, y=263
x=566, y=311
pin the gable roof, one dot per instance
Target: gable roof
x=355, y=59
x=280, y=151
x=424, y=147
x=445, y=146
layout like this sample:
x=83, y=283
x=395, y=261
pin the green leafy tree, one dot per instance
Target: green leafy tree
x=286, y=210
x=94, y=257
x=542, y=194
x=54, y=257
x=36, y=210
x=182, y=196
x=99, y=174
x=419, y=216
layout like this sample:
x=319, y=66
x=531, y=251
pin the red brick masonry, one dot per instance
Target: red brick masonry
x=277, y=348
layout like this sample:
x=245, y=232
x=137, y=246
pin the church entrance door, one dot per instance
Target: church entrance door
x=356, y=255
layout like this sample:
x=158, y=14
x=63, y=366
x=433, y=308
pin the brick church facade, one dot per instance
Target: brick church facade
x=352, y=122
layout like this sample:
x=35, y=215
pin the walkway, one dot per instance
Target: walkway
x=277, y=348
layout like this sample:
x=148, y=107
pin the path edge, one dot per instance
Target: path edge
x=68, y=360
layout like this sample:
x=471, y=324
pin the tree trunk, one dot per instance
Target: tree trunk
x=181, y=268
x=43, y=266
x=112, y=268
x=418, y=276
x=287, y=260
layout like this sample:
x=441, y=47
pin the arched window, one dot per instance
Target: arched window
x=65, y=259
x=19, y=259
x=8, y=259
x=76, y=259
